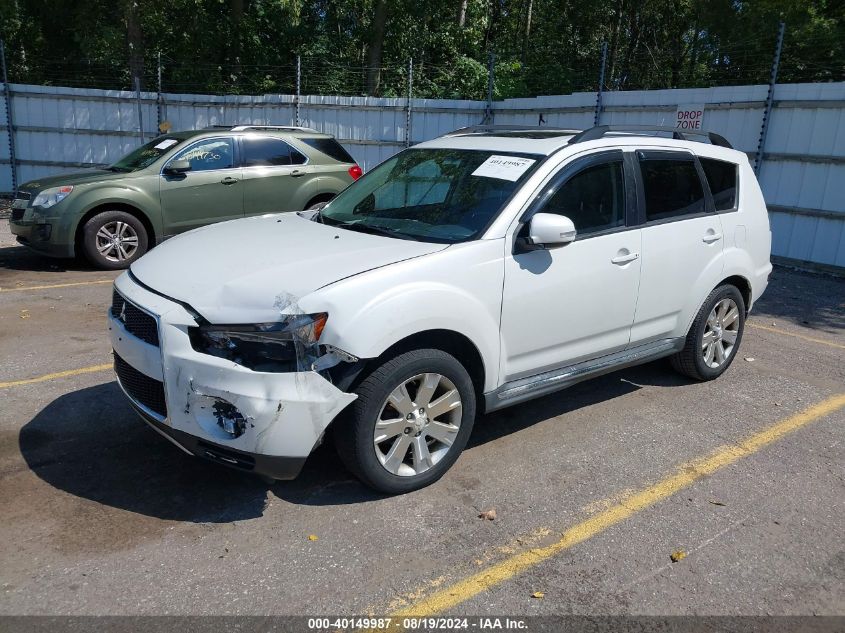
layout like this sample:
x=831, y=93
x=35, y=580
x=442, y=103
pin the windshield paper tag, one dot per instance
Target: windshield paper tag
x=166, y=143
x=504, y=167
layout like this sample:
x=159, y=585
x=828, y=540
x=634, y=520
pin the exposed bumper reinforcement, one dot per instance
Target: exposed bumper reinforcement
x=268, y=465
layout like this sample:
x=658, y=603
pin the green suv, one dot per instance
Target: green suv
x=175, y=183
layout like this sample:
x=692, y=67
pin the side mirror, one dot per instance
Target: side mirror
x=547, y=230
x=176, y=167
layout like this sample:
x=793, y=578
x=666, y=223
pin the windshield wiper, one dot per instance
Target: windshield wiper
x=119, y=170
x=375, y=230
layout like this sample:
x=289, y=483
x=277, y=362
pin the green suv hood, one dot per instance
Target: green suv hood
x=78, y=178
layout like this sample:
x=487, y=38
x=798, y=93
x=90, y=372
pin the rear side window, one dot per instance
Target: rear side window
x=594, y=199
x=330, y=147
x=672, y=188
x=722, y=179
x=270, y=152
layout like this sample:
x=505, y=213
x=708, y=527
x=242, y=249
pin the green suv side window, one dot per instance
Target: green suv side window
x=209, y=154
x=269, y=152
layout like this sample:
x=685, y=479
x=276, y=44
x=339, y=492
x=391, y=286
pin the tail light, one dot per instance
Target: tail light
x=356, y=172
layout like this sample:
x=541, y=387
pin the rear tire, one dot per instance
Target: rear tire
x=422, y=434
x=714, y=336
x=114, y=239
x=319, y=202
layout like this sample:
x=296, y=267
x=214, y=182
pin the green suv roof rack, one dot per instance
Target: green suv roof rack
x=277, y=128
x=493, y=129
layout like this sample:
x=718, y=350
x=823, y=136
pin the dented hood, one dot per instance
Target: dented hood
x=232, y=272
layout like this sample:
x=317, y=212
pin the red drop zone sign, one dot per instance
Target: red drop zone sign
x=689, y=117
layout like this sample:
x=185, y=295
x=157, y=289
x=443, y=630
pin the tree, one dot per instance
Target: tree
x=375, y=46
x=135, y=39
x=363, y=47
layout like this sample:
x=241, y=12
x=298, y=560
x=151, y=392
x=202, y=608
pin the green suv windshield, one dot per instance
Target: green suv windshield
x=432, y=195
x=145, y=155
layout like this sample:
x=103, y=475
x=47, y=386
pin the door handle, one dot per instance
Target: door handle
x=625, y=259
x=228, y=180
x=711, y=237
x=296, y=173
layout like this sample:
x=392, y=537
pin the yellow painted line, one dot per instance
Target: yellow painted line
x=812, y=339
x=687, y=474
x=58, y=374
x=67, y=285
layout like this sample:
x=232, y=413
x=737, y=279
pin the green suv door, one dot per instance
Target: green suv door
x=212, y=190
x=276, y=176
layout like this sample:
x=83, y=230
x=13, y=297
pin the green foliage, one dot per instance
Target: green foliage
x=251, y=46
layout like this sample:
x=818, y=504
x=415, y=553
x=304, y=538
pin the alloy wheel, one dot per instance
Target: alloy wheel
x=418, y=424
x=117, y=241
x=720, y=333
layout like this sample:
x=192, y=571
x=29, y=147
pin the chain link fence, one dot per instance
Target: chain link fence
x=699, y=64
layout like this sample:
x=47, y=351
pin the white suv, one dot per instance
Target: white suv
x=466, y=274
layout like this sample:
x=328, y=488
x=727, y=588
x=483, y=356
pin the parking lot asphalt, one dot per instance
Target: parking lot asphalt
x=594, y=487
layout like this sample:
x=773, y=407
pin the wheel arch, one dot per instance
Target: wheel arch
x=743, y=285
x=114, y=206
x=325, y=196
x=449, y=341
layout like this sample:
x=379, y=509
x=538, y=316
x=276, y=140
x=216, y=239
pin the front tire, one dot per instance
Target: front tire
x=413, y=417
x=114, y=239
x=714, y=337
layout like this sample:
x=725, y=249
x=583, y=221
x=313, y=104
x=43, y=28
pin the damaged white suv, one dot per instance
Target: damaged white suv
x=465, y=274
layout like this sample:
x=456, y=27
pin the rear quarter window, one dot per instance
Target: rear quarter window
x=330, y=147
x=722, y=178
x=269, y=152
x=672, y=188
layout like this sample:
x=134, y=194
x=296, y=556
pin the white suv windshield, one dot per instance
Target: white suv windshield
x=436, y=195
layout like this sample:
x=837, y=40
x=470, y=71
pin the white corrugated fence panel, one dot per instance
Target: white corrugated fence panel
x=804, y=168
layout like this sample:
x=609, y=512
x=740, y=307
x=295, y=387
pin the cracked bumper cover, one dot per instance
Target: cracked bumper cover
x=280, y=416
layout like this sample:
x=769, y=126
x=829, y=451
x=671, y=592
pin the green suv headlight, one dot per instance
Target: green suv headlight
x=286, y=346
x=52, y=196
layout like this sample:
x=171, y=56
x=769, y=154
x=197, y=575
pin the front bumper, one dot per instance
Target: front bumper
x=48, y=236
x=282, y=416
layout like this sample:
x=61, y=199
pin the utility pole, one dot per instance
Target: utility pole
x=140, y=109
x=600, y=91
x=298, y=88
x=491, y=69
x=770, y=97
x=10, y=125
x=159, y=96
x=410, y=96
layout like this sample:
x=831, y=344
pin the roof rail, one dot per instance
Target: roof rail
x=285, y=128
x=599, y=131
x=481, y=129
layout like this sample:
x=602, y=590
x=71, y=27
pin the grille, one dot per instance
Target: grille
x=148, y=391
x=17, y=214
x=137, y=322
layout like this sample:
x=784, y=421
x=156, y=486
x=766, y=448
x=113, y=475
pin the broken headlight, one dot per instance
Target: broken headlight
x=286, y=346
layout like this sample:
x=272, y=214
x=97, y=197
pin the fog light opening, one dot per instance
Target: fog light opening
x=229, y=418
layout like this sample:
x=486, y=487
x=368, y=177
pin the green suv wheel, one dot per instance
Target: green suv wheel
x=114, y=239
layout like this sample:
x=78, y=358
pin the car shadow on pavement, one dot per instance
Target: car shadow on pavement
x=324, y=481
x=21, y=258
x=585, y=394
x=805, y=299
x=91, y=444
